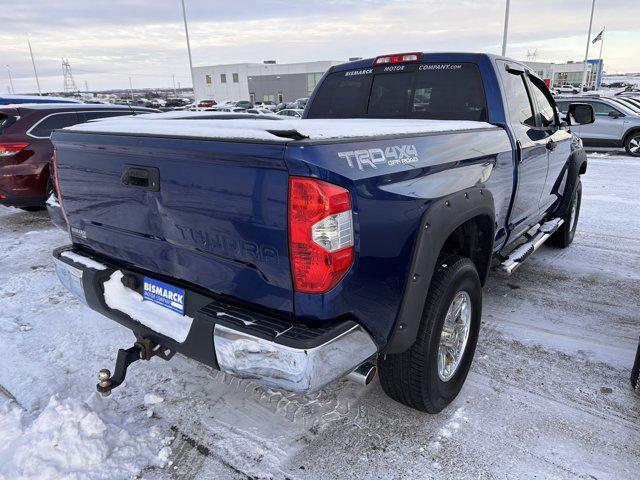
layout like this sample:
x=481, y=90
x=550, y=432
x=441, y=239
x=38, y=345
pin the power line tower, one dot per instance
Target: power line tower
x=69, y=82
x=532, y=55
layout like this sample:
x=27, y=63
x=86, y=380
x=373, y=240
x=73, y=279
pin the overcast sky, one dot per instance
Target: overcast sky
x=107, y=42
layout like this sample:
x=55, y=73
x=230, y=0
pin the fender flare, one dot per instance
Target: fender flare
x=576, y=166
x=441, y=219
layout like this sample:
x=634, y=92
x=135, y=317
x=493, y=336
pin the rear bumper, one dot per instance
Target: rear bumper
x=22, y=201
x=243, y=342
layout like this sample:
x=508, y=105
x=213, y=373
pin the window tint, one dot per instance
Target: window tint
x=342, y=96
x=86, y=116
x=518, y=103
x=441, y=91
x=544, y=106
x=602, y=108
x=563, y=106
x=53, y=122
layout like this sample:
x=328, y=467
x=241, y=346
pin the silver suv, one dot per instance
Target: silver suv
x=617, y=123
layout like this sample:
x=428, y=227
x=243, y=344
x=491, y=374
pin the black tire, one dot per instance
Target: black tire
x=632, y=144
x=563, y=237
x=412, y=377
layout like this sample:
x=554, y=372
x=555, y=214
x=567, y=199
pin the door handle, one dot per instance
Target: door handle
x=551, y=145
x=147, y=178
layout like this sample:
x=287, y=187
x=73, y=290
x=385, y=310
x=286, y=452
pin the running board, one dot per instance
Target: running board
x=520, y=254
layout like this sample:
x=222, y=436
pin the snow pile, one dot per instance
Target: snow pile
x=157, y=318
x=73, y=440
x=274, y=130
x=82, y=260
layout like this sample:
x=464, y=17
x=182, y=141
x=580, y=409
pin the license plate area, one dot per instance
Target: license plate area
x=163, y=294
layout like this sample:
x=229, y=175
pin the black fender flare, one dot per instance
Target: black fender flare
x=441, y=219
x=576, y=166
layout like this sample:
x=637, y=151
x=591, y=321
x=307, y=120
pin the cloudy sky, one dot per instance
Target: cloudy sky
x=107, y=42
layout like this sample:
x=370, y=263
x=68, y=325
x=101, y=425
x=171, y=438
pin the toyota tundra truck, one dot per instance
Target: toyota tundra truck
x=351, y=242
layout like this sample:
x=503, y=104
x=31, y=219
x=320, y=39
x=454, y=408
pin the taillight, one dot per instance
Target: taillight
x=320, y=234
x=11, y=148
x=398, y=58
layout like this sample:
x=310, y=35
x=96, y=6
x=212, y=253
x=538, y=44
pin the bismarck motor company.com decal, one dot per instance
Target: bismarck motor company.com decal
x=391, y=156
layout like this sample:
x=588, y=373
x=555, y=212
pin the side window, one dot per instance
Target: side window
x=86, y=116
x=602, y=109
x=54, y=122
x=223, y=78
x=547, y=112
x=563, y=107
x=518, y=102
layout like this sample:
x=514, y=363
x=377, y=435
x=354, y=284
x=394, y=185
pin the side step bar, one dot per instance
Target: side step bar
x=520, y=254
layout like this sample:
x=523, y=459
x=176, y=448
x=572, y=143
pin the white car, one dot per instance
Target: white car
x=567, y=89
x=291, y=112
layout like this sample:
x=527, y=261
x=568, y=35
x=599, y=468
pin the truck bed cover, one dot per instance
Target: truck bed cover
x=276, y=131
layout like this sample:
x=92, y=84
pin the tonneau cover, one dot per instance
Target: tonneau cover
x=278, y=131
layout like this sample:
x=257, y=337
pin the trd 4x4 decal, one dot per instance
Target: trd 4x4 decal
x=392, y=156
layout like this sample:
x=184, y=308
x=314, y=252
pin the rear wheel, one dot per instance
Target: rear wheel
x=431, y=373
x=632, y=144
x=563, y=237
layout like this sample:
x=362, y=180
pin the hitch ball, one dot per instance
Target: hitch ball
x=104, y=376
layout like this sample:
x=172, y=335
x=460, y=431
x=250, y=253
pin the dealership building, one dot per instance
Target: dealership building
x=556, y=74
x=270, y=81
x=259, y=82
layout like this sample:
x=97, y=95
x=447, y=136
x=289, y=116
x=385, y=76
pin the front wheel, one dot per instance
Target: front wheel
x=632, y=144
x=431, y=373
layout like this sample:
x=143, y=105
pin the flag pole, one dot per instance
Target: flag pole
x=600, y=58
x=586, y=53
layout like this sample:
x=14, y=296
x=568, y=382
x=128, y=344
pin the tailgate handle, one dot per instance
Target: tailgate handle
x=147, y=178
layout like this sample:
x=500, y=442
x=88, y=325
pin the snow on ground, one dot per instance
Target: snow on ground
x=548, y=395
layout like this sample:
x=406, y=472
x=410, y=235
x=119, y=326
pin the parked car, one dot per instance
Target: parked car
x=294, y=253
x=206, y=104
x=567, y=89
x=25, y=148
x=259, y=111
x=245, y=104
x=281, y=106
x=291, y=112
x=16, y=99
x=616, y=123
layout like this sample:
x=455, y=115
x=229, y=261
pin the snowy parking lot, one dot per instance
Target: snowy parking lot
x=548, y=395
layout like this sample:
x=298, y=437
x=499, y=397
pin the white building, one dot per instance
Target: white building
x=556, y=74
x=258, y=82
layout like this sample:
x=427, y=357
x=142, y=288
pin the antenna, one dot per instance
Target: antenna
x=69, y=82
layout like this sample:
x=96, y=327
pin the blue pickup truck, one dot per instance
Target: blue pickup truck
x=352, y=242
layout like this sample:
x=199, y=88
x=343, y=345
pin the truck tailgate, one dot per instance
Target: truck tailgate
x=216, y=217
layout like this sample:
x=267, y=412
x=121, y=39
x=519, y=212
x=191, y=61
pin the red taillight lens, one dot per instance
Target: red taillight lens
x=11, y=148
x=398, y=58
x=320, y=234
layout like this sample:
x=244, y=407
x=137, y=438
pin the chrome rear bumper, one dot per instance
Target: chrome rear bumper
x=295, y=369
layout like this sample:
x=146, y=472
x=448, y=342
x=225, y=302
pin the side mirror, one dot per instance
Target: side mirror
x=615, y=114
x=580, y=114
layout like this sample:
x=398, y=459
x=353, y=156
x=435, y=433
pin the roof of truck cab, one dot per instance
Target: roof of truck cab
x=273, y=131
x=426, y=57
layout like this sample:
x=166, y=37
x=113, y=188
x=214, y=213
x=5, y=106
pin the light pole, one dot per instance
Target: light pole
x=13, y=90
x=186, y=32
x=586, y=53
x=506, y=29
x=33, y=62
x=131, y=89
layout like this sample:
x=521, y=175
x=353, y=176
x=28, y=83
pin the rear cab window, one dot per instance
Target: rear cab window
x=430, y=90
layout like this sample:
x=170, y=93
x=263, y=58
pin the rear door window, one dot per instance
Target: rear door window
x=47, y=125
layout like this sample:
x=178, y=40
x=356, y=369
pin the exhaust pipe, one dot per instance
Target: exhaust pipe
x=364, y=374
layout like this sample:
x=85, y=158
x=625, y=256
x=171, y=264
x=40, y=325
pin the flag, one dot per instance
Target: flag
x=598, y=37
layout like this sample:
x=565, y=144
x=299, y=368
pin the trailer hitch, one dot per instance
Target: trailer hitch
x=143, y=349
